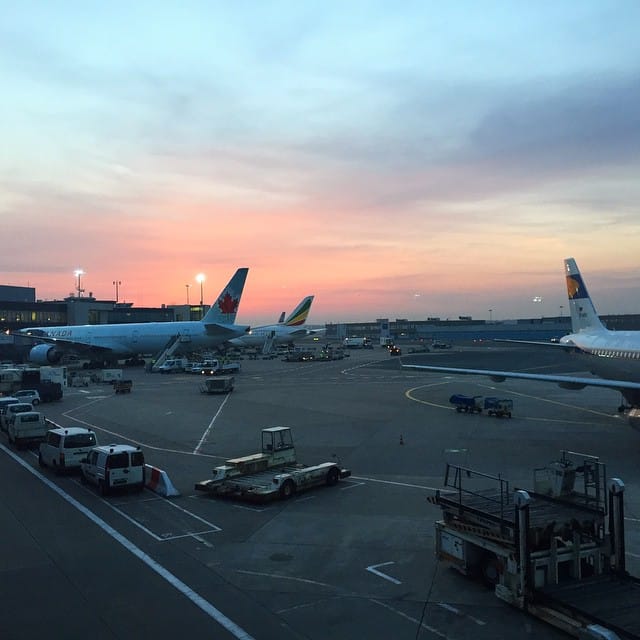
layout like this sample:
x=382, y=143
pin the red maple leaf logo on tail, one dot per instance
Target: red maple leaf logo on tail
x=228, y=304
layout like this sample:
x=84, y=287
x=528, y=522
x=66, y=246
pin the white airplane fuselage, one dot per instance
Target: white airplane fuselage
x=144, y=338
x=281, y=335
x=608, y=354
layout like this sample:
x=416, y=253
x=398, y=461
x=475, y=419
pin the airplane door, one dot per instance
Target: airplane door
x=134, y=336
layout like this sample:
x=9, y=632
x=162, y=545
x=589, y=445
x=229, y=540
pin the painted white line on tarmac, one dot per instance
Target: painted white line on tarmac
x=206, y=433
x=374, y=569
x=165, y=574
x=457, y=611
x=411, y=619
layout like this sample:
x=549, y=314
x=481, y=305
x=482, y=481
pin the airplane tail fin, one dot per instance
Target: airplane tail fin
x=281, y=318
x=583, y=313
x=299, y=315
x=225, y=307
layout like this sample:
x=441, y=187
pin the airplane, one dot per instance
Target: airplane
x=613, y=356
x=108, y=342
x=282, y=332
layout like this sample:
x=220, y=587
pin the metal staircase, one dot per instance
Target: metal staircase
x=170, y=348
x=267, y=347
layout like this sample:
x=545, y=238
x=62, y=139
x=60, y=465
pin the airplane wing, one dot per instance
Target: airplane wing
x=556, y=345
x=565, y=382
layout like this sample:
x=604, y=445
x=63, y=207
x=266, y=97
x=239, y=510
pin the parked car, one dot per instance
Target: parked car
x=28, y=395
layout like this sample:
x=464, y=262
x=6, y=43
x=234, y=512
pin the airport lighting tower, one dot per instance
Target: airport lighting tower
x=201, y=278
x=78, y=273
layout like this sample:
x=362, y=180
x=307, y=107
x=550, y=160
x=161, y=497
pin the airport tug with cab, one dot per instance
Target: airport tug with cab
x=275, y=472
x=557, y=552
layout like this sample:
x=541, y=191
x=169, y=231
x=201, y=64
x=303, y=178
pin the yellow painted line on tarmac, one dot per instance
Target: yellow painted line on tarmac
x=409, y=395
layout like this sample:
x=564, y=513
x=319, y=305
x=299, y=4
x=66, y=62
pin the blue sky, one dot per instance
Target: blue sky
x=394, y=160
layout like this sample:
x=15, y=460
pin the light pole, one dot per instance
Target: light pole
x=78, y=274
x=117, y=283
x=561, y=308
x=201, y=278
x=187, y=285
x=490, y=315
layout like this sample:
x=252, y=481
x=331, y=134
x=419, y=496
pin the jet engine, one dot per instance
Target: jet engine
x=45, y=354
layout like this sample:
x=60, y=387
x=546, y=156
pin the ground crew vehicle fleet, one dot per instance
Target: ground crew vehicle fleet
x=557, y=552
x=273, y=473
x=499, y=407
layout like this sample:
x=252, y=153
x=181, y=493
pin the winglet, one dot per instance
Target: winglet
x=583, y=313
x=225, y=307
x=299, y=315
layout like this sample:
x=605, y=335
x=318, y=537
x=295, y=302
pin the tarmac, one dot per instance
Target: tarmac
x=351, y=561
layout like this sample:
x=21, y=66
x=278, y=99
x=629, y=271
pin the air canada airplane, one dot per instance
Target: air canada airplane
x=108, y=342
x=282, y=332
x=613, y=356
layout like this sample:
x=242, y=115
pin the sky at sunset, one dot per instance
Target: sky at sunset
x=398, y=160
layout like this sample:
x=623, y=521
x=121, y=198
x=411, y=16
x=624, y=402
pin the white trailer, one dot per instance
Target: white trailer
x=273, y=473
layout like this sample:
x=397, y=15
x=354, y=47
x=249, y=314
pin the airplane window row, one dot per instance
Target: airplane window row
x=606, y=353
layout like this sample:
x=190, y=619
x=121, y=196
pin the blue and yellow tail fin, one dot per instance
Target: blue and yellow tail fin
x=583, y=313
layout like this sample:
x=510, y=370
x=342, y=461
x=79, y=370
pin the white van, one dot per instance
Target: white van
x=112, y=466
x=5, y=401
x=64, y=448
x=26, y=427
x=10, y=412
x=174, y=365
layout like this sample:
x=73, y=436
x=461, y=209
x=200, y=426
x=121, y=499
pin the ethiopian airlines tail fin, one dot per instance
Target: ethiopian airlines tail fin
x=299, y=315
x=583, y=313
x=225, y=307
